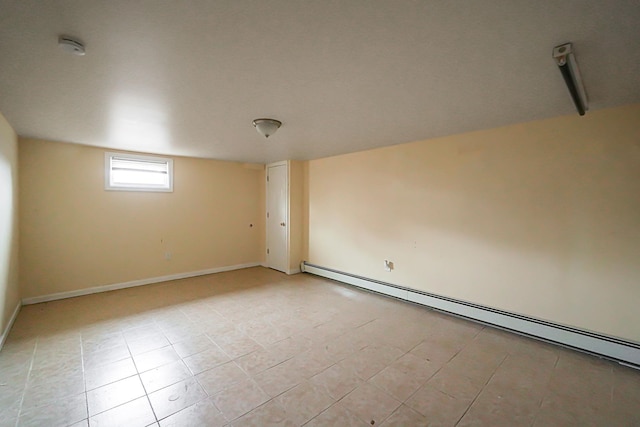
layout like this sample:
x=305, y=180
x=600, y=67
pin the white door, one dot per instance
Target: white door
x=277, y=218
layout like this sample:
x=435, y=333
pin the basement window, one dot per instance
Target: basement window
x=128, y=172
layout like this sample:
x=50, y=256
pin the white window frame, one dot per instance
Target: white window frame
x=136, y=187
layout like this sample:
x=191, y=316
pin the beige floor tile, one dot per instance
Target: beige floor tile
x=178, y=334
x=626, y=395
x=479, y=368
x=235, y=343
x=61, y=412
x=137, y=332
x=239, y=399
x=192, y=345
x=345, y=345
x=97, y=331
x=626, y=382
x=171, y=399
x=10, y=406
x=280, y=378
x=45, y=393
x=207, y=359
x=328, y=330
x=438, y=350
x=627, y=417
x=271, y=414
x=398, y=384
x=259, y=361
x=336, y=415
x=136, y=413
x=405, y=416
x=520, y=381
x=414, y=365
x=107, y=374
x=263, y=332
x=105, y=357
x=215, y=328
x=139, y=323
x=57, y=342
x=395, y=333
x=147, y=343
x=15, y=367
x=563, y=418
x=68, y=371
x=164, y=376
x=456, y=329
x=542, y=351
x=52, y=359
x=102, y=342
x=454, y=384
x=304, y=402
x=290, y=346
x=203, y=413
x=312, y=362
x=337, y=381
x=439, y=408
x=221, y=377
x=10, y=402
x=371, y=360
x=369, y=403
x=155, y=358
x=483, y=353
x=114, y=394
x=580, y=407
x=502, y=407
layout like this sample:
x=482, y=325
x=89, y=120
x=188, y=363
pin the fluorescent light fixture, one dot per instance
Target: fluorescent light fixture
x=566, y=61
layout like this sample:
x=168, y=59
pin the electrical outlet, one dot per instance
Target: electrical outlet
x=388, y=265
x=167, y=255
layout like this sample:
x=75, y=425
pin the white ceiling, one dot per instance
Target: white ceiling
x=188, y=77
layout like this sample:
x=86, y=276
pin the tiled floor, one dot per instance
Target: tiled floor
x=258, y=348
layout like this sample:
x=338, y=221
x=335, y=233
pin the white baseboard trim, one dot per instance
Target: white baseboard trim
x=7, y=329
x=133, y=283
x=619, y=350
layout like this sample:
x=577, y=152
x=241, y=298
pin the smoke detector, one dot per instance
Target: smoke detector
x=71, y=45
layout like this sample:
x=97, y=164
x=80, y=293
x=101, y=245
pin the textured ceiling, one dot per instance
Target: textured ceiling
x=187, y=77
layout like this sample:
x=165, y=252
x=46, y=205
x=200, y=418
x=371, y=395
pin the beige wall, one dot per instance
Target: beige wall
x=9, y=291
x=539, y=218
x=76, y=235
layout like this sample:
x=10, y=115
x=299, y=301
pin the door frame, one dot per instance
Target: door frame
x=284, y=163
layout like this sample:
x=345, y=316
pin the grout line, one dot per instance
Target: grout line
x=482, y=389
x=26, y=385
x=84, y=376
x=426, y=381
x=545, y=388
x=153, y=411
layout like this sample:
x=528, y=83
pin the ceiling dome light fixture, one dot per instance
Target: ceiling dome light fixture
x=71, y=45
x=266, y=127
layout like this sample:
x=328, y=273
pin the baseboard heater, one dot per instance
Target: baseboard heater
x=616, y=349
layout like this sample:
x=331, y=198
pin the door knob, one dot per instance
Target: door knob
x=282, y=224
